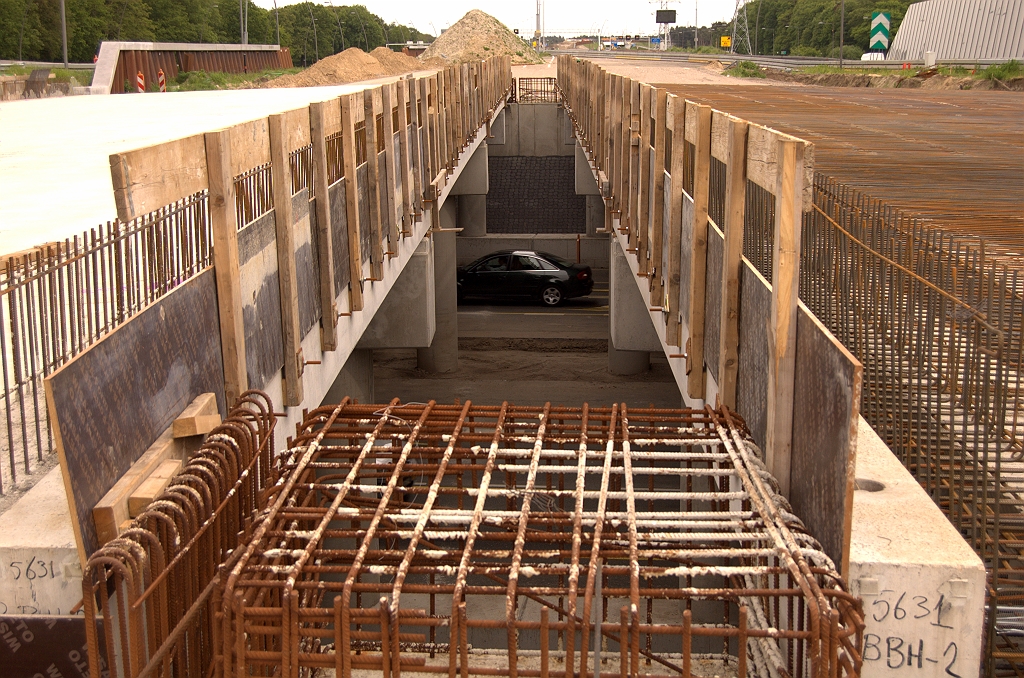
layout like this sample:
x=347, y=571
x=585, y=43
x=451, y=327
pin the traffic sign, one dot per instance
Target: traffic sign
x=655, y=41
x=725, y=41
x=880, y=22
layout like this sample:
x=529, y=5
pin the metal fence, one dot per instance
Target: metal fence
x=59, y=299
x=938, y=329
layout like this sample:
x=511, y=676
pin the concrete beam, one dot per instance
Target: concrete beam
x=628, y=317
x=443, y=353
x=355, y=379
x=586, y=184
x=406, y=317
x=472, y=218
x=474, y=179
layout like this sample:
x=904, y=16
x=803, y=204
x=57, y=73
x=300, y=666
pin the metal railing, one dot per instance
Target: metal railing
x=938, y=329
x=59, y=299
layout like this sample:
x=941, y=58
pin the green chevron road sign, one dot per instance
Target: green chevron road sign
x=880, y=22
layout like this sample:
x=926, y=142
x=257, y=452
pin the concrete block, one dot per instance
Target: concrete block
x=39, y=568
x=923, y=587
x=594, y=215
x=474, y=177
x=406, y=317
x=509, y=143
x=547, y=130
x=355, y=379
x=472, y=215
x=586, y=184
x=629, y=319
x=498, y=130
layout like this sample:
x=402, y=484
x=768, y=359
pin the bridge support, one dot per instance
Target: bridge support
x=631, y=334
x=443, y=353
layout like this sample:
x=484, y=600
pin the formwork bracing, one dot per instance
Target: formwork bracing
x=470, y=540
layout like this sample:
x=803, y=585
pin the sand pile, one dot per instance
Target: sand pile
x=352, y=65
x=479, y=36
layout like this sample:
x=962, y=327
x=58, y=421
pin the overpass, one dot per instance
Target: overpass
x=307, y=267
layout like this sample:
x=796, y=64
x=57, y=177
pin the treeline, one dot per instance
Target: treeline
x=801, y=27
x=30, y=29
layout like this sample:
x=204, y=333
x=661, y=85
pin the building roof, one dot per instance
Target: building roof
x=961, y=29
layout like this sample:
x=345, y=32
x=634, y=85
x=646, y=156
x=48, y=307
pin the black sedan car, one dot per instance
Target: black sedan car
x=525, y=274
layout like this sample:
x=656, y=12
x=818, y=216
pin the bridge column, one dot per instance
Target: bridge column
x=472, y=188
x=443, y=353
x=355, y=379
x=631, y=333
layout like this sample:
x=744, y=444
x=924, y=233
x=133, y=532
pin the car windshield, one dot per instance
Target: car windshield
x=558, y=260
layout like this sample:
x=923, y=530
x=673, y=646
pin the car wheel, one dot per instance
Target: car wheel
x=551, y=295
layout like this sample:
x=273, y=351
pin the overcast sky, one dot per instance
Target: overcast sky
x=561, y=17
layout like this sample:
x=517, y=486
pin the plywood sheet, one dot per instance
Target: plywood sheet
x=339, y=235
x=307, y=275
x=685, y=257
x=261, y=300
x=752, y=374
x=146, y=179
x=713, y=299
x=365, y=231
x=45, y=645
x=110, y=403
x=826, y=391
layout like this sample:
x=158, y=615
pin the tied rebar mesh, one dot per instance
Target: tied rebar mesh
x=60, y=298
x=937, y=327
x=538, y=91
x=472, y=540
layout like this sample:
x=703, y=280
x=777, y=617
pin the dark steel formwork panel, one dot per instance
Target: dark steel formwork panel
x=752, y=371
x=261, y=300
x=43, y=645
x=827, y=389
x=713, y=300
x=365, y=235
x=307, y=267
x=526, y=540
x=685, y=257
x=111, y=402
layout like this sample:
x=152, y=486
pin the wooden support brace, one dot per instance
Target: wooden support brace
x=390, y=168
x=660, y=100
x=695, y=382
x=415, y=146
x=633, y=151
x=644, y=210
x=355, y=256
x=324, y=228
x=782, y=330
x=405, y=161
x=732, y=260
x=224, y=227
x=294, y=363
x=199, y=418
x=676, y=108
x=373, y=184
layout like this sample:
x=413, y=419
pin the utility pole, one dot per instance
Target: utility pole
x=277, y=25
x=842, y=29
x=64, y=33
x=243, y=21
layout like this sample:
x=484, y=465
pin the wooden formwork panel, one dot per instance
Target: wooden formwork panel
x=713, y=299
x=339, y=236
x=752, y=377
x=261, y=300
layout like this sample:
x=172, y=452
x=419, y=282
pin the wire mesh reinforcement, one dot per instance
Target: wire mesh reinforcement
x=538, y=91
x=469, y=540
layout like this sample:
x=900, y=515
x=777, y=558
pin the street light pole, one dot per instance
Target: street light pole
x=63, y=33
x=842, y=27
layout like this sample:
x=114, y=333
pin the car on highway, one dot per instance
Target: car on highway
x=524, y=274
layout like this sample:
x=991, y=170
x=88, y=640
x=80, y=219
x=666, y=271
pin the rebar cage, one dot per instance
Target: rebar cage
x=530, y=541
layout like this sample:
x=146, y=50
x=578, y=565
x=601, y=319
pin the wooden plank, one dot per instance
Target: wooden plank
x=660, y=100
x=332, y=117
x=426, y=162
x=250, y=145
x=286, y=271
x=224, y=227
x=699, y=247
x=643, y=226
x=404, y=160
x=199, y=418
x=720, y=136
x=296, y=125
x=625, y=134
x=112, y=510
x=146, y=179
x=763, y=162
x=827, y=391
x=152, y=486
x=415, y=147
x=633, y=149
x=675, y=121
x=390, y=167
x=370, y=110
x=324, y=226
x=349, y=104
x=732, y=259
x=782, y=336
x=751, y=377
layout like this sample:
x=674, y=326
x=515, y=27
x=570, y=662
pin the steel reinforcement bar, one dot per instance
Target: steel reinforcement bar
x=530, y=541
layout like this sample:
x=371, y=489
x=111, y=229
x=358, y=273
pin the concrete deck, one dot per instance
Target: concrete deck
x=54, y=153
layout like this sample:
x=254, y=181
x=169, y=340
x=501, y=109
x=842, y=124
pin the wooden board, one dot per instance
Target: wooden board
x=45, y=645
x=149, y=178
x=153, y=486
x=339, y=234
x=109, y=404
x=752, y=377
x=261, y=301
x=827, y=384
x=685, y=257
x=199, y=418
x=307, y=270
x=250, y=145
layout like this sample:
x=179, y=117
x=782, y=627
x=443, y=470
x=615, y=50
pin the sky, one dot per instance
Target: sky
x=561, y=17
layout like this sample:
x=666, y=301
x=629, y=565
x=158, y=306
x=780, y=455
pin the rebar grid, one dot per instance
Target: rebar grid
x=530, y=541
x=538, y=91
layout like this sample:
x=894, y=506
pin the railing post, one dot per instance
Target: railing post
x=676, y=116
x=324, y=229
x=695, y=381
x=355, y=256
x=373, y=184
x=224, y=226
x=387, y=104
x=732, y=260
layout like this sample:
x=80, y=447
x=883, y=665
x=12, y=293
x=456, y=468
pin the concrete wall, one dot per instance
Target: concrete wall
x=535, y=130
x=406, y=318
x=593, y=249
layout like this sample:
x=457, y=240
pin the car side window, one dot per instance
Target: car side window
x=524, y=263
x=494, y=264
x=546, y=265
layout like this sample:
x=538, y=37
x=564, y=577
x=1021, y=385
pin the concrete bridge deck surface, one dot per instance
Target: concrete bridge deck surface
x=54, y=166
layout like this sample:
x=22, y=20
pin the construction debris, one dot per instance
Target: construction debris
x=477, y=36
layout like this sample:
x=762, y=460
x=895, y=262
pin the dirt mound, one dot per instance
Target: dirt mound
x=894, y=81
x=352, y=65
x=396, y=63
x=479, y=36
